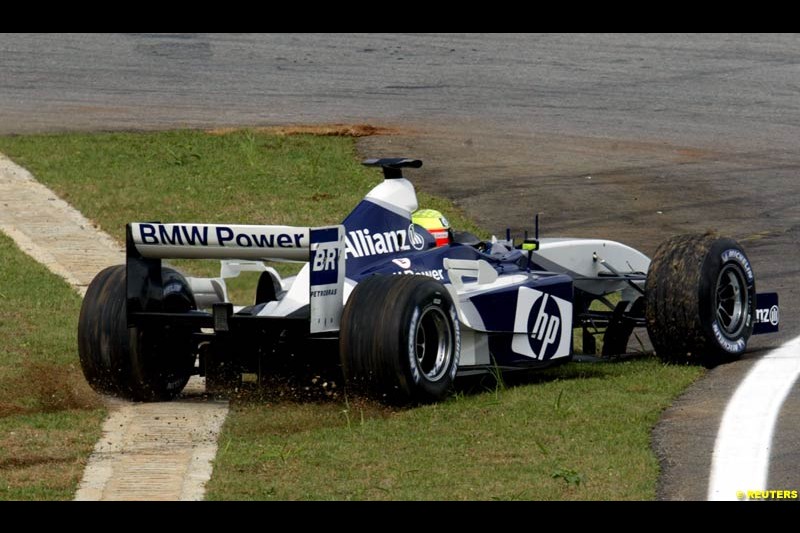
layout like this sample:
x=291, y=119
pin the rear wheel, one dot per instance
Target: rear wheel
x=99, y=329
x=400, y=338
x=146, y=364
x=701, y=299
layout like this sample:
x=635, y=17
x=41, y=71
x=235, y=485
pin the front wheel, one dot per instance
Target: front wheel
x=701, y=300
x=400, y=338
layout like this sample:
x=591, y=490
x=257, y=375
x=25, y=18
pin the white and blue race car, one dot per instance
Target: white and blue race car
x=409, y=316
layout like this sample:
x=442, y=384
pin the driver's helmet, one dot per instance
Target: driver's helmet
x=433, y=221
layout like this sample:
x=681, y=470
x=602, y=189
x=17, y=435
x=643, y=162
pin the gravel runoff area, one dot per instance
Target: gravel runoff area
x=148, y=451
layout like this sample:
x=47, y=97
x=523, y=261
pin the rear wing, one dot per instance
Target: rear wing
x=147, y=243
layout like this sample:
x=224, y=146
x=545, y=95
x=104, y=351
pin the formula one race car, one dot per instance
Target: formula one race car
x=409, y=315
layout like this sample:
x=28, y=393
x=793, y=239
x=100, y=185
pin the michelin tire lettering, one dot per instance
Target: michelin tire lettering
x=737, y=346
x=738, y=257
x=416, y=375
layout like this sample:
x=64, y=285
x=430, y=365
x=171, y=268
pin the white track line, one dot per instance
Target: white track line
x=742, y=450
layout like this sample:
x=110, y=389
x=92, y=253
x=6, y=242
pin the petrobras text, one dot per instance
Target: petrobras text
x=326, y=278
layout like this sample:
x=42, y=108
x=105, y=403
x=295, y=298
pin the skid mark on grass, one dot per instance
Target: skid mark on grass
x=148, y=451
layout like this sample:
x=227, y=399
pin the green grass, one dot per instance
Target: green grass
x=243, y=177
x=49, y=418
x=581, y=432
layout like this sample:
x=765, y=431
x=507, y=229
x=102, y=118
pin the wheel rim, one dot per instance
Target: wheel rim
x=731, y=300
x=433, y=343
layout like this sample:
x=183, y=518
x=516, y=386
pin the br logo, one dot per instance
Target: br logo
x=542, y=325
x=324, y=265
x=325, y=259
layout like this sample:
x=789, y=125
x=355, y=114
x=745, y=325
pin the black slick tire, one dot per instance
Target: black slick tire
x=700, y=300
x=151, y=364
x=400, y=339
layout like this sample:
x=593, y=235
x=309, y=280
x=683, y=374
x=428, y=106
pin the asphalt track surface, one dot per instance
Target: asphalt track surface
x=630, y=137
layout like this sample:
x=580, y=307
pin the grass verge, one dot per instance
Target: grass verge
x=49, y=418
x=579, y=432
x=221, y=176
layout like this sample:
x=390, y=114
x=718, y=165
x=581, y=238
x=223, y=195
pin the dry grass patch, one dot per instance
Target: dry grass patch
x=323, y=130
x=49, y=417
